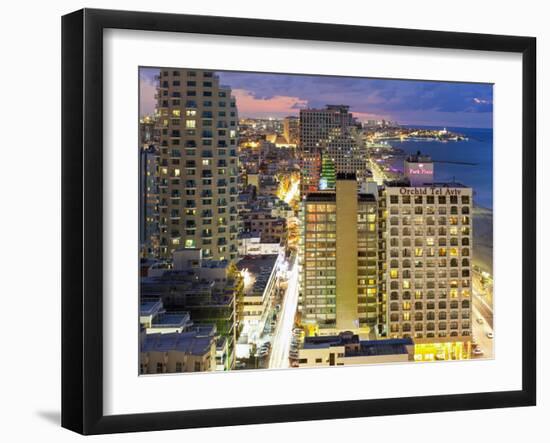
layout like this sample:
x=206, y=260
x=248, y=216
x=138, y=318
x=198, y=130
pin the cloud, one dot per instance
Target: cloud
x=147, y=90
x=407, y=101
x=273, y=106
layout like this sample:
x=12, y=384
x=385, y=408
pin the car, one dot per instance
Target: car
x=478, y=351
x=267, y=344
x=297, y=330
x=240, y=365
x=490, y=335
x=480, y=321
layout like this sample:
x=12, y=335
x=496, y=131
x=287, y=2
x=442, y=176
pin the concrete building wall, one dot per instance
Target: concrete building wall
x=346, y=254
x=198, y=167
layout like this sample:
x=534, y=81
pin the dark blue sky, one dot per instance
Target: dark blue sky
x=407, y=101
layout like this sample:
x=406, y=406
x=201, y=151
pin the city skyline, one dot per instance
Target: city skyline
x=410, y=102
x=309, y=239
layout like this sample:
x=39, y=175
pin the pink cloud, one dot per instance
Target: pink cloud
x=277, y=106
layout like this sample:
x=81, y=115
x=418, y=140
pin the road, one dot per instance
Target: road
x=480, y=335
x=481, y=310
x=283, y=332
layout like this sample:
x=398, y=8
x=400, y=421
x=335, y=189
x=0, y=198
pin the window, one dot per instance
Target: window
x=179, y=366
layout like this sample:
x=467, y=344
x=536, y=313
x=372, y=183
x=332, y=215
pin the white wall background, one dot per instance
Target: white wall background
x=30, y=216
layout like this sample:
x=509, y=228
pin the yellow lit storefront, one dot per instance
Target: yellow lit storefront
x=456, y=350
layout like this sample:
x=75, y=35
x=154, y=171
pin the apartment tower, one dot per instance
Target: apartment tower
x=338, y=286
x=198, y=168
x=329, y=132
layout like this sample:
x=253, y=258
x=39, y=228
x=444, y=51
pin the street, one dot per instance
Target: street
x=283, y=332
x=480, y=310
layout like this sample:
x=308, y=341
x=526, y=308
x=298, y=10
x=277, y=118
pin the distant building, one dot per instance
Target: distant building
x=291, y=130
x=271, y=229
x=149, y=202
x=148, y=131
x=331, y=132
x=261, y=283
x=203, y=288
x=419, y=169
x=192, y=351
x=347, y=349
x=251, y=244
x=154, y=319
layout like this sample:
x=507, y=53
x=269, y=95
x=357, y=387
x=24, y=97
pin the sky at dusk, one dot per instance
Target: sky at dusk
x=405, y=101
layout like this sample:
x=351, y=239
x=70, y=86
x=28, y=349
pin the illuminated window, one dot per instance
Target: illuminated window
x=176, y=112
x=394, y=273
x=190, y=124
x=191, y=112
x=176, y=172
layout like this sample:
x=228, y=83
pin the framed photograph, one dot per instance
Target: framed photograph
x=269, y=221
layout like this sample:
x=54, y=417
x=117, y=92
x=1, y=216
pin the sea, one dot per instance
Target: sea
x=478, y=150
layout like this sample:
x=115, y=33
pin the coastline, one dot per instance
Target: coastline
x=483, y=238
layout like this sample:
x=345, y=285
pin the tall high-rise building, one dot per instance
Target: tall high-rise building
x=396, y=260
x=429, y=273
x=198, y=171
x=149, y=199
x=339, y=259
x=291, y=129
x=329, y=132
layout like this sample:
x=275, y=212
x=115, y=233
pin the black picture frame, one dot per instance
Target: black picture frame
x=82, y=231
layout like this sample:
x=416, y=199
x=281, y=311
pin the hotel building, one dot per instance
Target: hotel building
x=428, y=276
x=395, y=263
x=339, y=259
x=198, y=164
x=330, y=132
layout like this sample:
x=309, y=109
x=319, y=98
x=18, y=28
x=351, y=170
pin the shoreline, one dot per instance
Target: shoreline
x=482, y=225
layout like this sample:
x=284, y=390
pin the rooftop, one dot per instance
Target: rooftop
x=260, y=268
x=150, y=306
x=189, y=343
x=330, y=196
x=365, y=347
x=172, y=319
x=406, y=184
